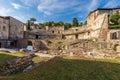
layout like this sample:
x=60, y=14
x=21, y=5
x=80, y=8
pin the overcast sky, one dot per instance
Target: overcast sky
x=52, y=10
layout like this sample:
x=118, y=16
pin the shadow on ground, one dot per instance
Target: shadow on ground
x=66, y=69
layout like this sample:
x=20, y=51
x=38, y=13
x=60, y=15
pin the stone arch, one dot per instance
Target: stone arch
x=30, y=43
x=116, y=47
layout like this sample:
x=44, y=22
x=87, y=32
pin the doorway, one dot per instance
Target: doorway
x=76, y=36
x=37, y=36
x=0, y=45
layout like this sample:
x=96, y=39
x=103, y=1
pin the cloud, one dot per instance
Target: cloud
x=109, y=4
x=56, y=6
x=50, y=7
x=4, y=11
x=93, y=5
x=30, y=2
x=22, y=18
x=16, y=6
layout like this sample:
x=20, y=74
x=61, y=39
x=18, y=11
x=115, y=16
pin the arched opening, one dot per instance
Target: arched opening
x=115, y=47
x=30, y=46
x=30, y=43
x=76, y=36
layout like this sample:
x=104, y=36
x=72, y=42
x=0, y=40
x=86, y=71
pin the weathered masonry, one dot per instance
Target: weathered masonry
x=11, y=31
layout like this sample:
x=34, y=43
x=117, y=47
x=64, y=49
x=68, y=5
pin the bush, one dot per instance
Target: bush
x=115, y=18
x=114, y=27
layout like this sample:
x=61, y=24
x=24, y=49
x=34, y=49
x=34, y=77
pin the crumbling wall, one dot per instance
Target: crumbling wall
x=39, y=45
x=88, y=45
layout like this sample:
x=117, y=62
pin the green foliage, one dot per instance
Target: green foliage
x=4, y=57
x=49, y=24
x=68, y=25
x=60, y=23
x=75, y=22
x=114, y=27
x=85, y=23
x=114, y=18
x=81, y=24
x=29, y=43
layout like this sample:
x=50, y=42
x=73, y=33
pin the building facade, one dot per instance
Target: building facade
x=11, y=31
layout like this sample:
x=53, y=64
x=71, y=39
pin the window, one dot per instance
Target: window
x=76, y=29
x=114, y=35
x=3, y=28
x=53, y=32
x=4, y=21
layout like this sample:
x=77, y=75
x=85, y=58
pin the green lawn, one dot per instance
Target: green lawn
x=71, y=69
x=4, y=57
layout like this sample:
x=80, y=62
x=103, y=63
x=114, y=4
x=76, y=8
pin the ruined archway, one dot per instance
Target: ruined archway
x=116, y=47
x=30, y=46
x=30, y=43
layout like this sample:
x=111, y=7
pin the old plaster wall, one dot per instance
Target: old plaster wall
x=4, y=28
x=16, y=29
x=96, y=29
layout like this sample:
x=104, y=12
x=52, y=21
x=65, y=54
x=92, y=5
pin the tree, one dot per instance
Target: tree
x=32, y=20
x=60, y=23
x=114, y=18
x=85, y=23
x=46, y=24
x=68, y=25
x=49, y=24
x=75, y=22
x=119, y=21
x=28, y=24
x=81, y=24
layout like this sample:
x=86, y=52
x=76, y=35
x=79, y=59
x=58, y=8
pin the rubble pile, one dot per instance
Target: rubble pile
x=16, y=65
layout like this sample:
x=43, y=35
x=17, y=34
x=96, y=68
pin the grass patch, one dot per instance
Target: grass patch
x=71, y=69
x=4, y=58
x=38, y=59
x=17, y=54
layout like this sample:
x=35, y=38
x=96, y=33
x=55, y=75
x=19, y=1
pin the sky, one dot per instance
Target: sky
x=53, y=10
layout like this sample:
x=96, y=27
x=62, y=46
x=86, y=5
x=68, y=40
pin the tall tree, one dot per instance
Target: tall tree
x=28, y=24
x=75, y=22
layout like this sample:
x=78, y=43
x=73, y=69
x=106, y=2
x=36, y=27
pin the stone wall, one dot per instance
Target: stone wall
x=88, y=45
x=4, y=28
x=39, y=44
x=16, y=29
x=97, y=29
x=3, y=43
